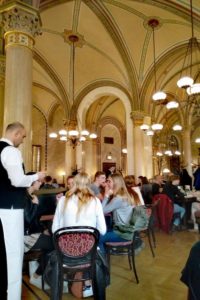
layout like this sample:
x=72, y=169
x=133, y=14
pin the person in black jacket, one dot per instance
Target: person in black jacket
x=35, y=240
x=172, y=191
x=191, y=273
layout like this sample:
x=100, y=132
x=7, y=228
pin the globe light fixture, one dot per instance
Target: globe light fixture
x=70, y=133
x=157, y=126
x=186, y=80
x=177, y=127
x=172, y=104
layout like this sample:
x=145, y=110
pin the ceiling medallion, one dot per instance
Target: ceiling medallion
x=75, y=38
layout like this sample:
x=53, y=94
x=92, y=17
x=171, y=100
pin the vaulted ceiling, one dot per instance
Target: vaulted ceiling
x=116, y=49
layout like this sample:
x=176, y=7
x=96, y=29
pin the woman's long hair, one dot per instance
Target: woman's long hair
x=81, y=190
x=119, y=188
x=130, y=183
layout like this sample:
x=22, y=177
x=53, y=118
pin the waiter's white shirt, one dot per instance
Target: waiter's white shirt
x=12, y=161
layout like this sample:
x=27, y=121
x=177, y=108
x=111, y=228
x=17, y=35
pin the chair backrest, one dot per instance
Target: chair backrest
x=76, y=245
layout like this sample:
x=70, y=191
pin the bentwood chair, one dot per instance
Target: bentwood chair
x=148, y=231
x=76, y=249
x=33, y=255
x=123, y=248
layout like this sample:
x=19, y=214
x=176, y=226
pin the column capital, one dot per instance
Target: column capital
x=186, y=130
x=137, y=117
x=21, y=23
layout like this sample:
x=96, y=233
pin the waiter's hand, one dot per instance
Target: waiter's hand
x=41, y=175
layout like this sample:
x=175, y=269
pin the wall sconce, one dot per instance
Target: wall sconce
x=109, y=156
x=62, y=174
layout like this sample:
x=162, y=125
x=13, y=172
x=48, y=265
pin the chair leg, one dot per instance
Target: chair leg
x=129, y=258
x=108, y=257
x=133, y=264
x=153, y=237
x=150, y=243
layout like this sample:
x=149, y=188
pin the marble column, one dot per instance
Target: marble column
x=142, y=147
x=148, y=156
x=21, y=23
x=2, y=79
x=187, y=155
x=130, y=146
x=70, y=159
x=79, y=156
x=90, y=159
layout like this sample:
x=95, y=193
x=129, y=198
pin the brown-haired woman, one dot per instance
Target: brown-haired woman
x=133, y=190
x=118, y=201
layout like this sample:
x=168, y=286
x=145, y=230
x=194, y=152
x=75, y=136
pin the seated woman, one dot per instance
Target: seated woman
x=80, y=208
x=134, y=190
x=118, y=201
x=140, y=215
x=172, y=191
x=35, y=240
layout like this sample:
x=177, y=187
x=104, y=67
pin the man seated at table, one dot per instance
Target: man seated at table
x=98, y=184
x=172, y=191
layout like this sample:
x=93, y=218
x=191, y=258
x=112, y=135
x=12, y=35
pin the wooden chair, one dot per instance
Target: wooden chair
x=149, y=230
x=123, y=248
x=76, y=249
x=33, y=255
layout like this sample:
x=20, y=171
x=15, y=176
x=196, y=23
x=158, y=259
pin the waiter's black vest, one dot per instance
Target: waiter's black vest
x=10, y=196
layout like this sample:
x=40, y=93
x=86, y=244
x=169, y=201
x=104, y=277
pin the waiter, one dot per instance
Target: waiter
x=13, y=184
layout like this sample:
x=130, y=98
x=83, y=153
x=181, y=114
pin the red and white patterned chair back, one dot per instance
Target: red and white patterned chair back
x=76, y=244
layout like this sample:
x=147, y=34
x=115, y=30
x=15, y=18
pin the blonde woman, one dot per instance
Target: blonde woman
x=118, y=201
x=79, y=207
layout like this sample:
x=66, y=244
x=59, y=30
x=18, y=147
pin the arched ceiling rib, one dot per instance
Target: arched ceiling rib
x=118, y=46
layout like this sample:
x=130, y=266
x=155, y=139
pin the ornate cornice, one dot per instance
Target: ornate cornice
x=137, y=117
x=21, y=23
x=13, y=38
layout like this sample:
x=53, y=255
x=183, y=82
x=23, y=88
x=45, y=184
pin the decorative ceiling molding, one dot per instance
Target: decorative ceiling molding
x=52, y=74
x=112, y=28
x=94, y=85
x=41, y=112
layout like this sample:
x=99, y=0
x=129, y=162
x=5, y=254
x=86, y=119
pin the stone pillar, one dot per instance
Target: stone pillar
x=90, y=159
x=79, y=156
x=70, y=159
x=21, y=24
x=2, y=80
x=130, y=146
x=148, y=156
x=142, y=147
x=187, y=156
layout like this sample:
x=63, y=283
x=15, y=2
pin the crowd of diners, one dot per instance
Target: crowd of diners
x=107, y=202
x=113, y=204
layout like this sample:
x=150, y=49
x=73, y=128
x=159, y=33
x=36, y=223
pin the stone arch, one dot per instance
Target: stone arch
x=92, y=96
